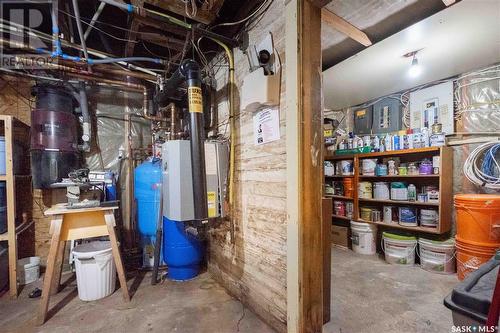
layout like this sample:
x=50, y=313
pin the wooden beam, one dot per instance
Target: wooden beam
x=205, y=14
x=448, y=2
x=160, y=25
x=132, y=34
x=163, y=41
x=338, y=23
x=304, y=153
x=320, y=3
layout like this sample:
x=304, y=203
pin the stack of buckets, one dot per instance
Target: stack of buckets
x=478, y=230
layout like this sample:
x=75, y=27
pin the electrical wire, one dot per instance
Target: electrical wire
x=481, y=166
x=244, y=19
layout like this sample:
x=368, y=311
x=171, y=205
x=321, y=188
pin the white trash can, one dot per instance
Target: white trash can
x=95, y=270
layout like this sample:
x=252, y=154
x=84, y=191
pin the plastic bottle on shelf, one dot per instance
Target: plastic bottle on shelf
x=388, y=142
x=376, y=143
x=412, y=192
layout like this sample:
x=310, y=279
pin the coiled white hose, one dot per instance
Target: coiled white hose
x=476, y=173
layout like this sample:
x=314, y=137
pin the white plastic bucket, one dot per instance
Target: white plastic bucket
x=28, y=270
x=363, y=238
x=437, y=257
x=368, y=166
x=95, y=270
x=399, y=249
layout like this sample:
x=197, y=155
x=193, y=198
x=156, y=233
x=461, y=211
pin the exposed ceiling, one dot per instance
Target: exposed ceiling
x=379, y=19
x=463, y=37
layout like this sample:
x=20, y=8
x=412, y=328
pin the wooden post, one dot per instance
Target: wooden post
x=11, y=205
x=304, y=133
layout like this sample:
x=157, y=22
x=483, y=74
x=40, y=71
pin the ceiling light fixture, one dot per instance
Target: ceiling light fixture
x=415, y=68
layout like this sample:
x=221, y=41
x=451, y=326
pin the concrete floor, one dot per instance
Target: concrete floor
x=200, y=305
x=369, y=295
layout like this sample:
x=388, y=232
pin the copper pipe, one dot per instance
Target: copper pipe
x=173, y=120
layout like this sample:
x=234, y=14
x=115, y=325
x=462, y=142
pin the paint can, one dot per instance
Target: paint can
x=368, y=166
x=339, y=207
x=403, y=171
x=381, y=191
x=425, y=167
x=399, y=191
x=365, y=213
x=365, y=190
x=329, y=168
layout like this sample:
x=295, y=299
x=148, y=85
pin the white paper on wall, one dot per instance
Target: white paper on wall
x=266, y=126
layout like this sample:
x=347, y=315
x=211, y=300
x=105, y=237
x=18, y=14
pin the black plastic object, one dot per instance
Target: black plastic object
x=48, y=167
x=54, y=135
x=472, y=297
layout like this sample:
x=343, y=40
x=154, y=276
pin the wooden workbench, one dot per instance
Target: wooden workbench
x=70, y=224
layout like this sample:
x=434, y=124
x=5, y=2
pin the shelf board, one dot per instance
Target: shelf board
x=4, y=236
x=400, y=152
x=338, y=197
x=339, y=176
x=404, y=203
x=3, y=177
x=399, y=176
x=341, y=217
x=397, y=226
x=381, y=154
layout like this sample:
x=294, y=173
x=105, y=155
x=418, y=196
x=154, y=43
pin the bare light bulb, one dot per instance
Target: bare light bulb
x=415, y=69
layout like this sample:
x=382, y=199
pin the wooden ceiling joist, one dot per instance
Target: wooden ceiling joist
x=181, y=32
x=205, y=14
x=339, y=24
x=320, y=3
x=163, y=41
x=449, y=2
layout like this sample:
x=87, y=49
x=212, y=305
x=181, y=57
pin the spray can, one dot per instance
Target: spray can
x=388, y=142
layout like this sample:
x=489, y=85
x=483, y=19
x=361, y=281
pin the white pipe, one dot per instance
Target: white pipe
x=80, y=32
x=94, y=18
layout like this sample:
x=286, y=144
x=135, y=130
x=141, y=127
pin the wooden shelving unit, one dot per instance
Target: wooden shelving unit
x=443, y=182
x=16, y=137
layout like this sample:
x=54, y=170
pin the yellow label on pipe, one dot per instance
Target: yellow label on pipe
x=195, y=100
x=212, y=207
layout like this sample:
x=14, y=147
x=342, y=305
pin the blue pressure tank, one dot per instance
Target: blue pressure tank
x=147, y=191
x=182, y=252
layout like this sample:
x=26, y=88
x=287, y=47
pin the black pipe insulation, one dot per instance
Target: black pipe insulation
x=189, y=72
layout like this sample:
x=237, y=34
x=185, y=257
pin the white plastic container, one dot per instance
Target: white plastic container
x=28, y=270
x=95, y=270
x=363, y=238
x=436, y=256
x=399, y=249
x=429, y=218
x=381, y=191
x=368, y=166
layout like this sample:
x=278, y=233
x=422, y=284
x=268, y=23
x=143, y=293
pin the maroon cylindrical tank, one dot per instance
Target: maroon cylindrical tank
x=54, y=135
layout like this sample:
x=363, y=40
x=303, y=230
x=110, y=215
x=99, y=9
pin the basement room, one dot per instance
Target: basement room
x=250, y=166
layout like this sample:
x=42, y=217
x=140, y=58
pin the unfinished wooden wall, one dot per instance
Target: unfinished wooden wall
x=253, y=266
x=16, y=100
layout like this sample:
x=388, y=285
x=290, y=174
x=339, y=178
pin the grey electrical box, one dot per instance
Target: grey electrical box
x=363, y=120
x=387, y=116
x=178, y=201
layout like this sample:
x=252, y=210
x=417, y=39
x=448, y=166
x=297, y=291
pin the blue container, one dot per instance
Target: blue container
x=147, y=191
x=3, y=167
x=182, y=252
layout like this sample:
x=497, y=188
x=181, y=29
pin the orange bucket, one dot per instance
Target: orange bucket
x=348, y=188
x=470, y=257
x=478, y=219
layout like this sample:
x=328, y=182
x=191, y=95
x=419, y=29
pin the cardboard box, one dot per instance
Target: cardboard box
x=340, y=236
